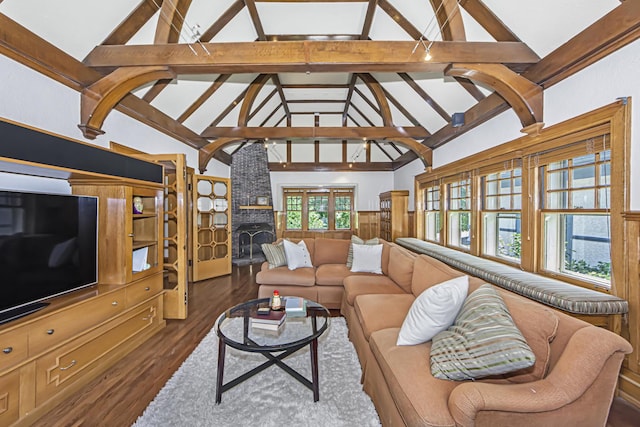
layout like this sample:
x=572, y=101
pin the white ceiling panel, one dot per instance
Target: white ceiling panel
x=312, y=18
x=66, y=24
x=546, y=24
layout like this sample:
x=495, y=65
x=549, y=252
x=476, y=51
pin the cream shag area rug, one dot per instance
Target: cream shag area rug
x=272, y=397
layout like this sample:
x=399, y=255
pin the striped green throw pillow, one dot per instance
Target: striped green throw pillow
x=483, y=341
x=274, y=254
x=359, y=241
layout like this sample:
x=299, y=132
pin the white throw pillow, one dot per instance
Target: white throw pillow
x=433, y=311
x=297, y=255
x=367, y=259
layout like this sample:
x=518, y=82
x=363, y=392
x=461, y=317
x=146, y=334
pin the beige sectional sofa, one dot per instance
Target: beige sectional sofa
x=324, y=281
x=572, y=382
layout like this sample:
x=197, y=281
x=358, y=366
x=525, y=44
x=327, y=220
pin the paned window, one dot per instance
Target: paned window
x=575, y=215
x=319, y=209
x=433, y=222
x=343, y=212
x=294, y=211
x=459, y=214
x=318, y=218
x=501, y=218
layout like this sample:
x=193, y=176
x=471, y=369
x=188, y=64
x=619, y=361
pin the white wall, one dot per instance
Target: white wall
x=404, y=178
x=33, y=99
x=598, y=85
x=368, y=185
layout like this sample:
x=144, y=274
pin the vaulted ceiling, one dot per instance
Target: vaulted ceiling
x=325, y=84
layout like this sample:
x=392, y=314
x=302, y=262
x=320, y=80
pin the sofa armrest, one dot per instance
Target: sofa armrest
x=582, y=361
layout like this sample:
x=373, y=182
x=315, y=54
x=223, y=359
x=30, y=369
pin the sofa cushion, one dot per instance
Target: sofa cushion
x=433, y=311
x=366, y=283
x=297, y=255
x=367, y=259
x=420, y=398
x=483, y=341
x=401, y=267
x=358, y=241
x=380, y=311
x=429, y=271
x=331, y=251
x=284, y=276
x=274, y=253
x=539, y=325
x=331, y=274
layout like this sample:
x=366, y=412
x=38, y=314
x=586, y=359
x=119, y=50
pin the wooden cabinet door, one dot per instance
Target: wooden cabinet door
x=211, y=200
x=176, y=234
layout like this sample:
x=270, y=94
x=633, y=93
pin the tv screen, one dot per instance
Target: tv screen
x=48, y=247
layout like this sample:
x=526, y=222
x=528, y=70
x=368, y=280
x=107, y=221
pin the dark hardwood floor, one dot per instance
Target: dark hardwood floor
x=118, y=396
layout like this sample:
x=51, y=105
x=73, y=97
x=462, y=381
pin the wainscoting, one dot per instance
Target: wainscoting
x=367, y=227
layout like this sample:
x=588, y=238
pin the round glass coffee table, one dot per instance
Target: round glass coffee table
x=234, y=329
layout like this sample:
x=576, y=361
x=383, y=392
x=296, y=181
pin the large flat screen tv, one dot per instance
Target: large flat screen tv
x=48, y=247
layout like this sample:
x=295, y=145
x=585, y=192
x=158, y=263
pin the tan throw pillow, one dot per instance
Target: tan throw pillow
x=483, y=341
x=359, y=241
x=274, y=253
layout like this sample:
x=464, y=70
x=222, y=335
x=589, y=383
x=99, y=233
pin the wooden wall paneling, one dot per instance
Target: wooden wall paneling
x=629, y=385
x=368, y=224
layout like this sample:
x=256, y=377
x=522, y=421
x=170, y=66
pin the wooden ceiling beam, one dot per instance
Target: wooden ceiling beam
x=331, y=166
x=253, y=90
x=381, y=133
x=255, y=19
x=217, y=84
x=171, y=21
x=488, y=20
x=368, y=20
x=262, y=104
x=471, y=88
x=364, y=116
x=449, y=19
x=222, y=21
x=276, y=81
x=347, y=103
x=399, y=19
x=613, y=31
x=20, y=44
x=275, y=110
x=524, y=96
x=132, y=23
x=316, y=86
x=313, y=56
x=156, y=89
x=377, y=144
x=229, y=108
x=425, y=96
x=98, y=99
x=401, y=108
x=376, y=90
x=373, y=106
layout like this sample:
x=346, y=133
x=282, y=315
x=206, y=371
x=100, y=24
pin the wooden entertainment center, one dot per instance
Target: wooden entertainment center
x=48, y=355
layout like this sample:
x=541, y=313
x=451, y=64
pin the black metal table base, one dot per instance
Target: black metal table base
x=274, y=359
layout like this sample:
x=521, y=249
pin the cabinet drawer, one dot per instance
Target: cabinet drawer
x=13, y=347
x=9, y=398
x=143, y=289
x=82, y=358
x=52, y=330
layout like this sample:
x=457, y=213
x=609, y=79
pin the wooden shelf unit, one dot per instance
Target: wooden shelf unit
x=394, y=214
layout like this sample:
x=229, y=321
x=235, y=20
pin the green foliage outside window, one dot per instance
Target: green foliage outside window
x=318, y=212
x=294, y=220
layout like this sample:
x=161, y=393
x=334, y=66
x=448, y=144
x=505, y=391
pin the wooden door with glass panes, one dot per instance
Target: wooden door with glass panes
x=211, y=198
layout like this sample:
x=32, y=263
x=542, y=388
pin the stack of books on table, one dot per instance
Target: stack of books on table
x=271, y=321
x=295, y=307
